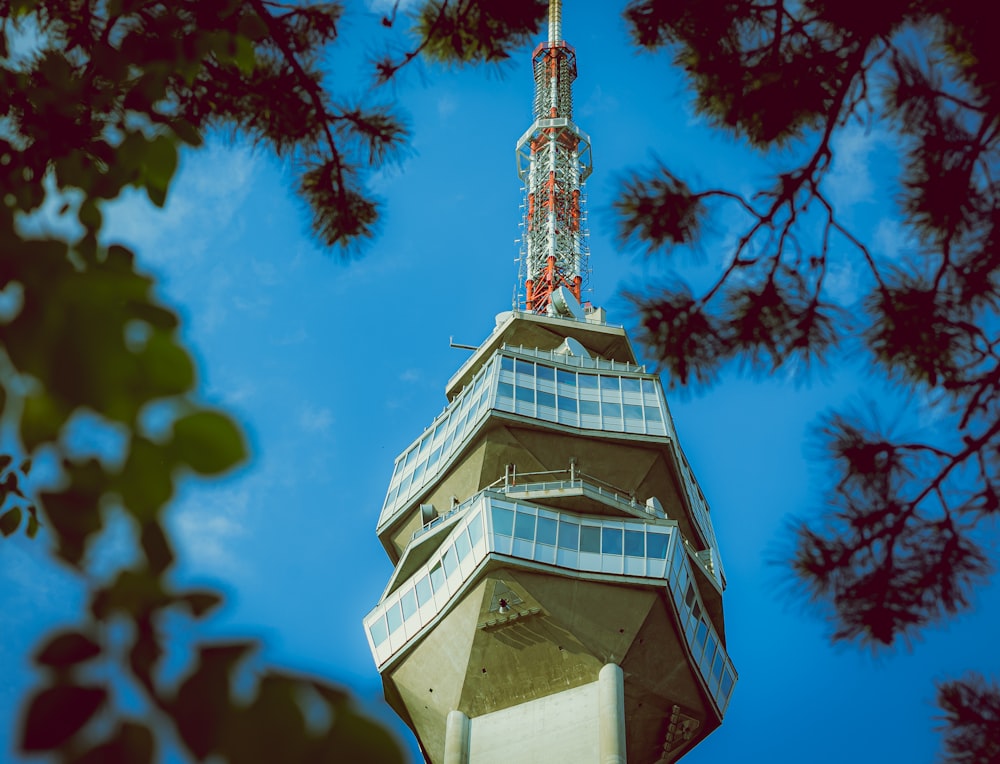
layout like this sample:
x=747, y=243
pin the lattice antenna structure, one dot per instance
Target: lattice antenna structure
x=553, y=161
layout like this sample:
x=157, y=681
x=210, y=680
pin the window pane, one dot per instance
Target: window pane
x=476, y=528
x=635, y=543
x=409, y=604
x=569, y=536
x=610, y=384
x=612, y=541
x=656, y=545
x=462, y=545
x=633, y=412
x=702, y=633
x=524, y=527
x=448, y=561
x=545, y=372
x=526, y=394
x=507, y=364
x=630, y=385
x=394, y=618
x=503, y=521
x=437, y=577
x=567, y=404
x=546, y=531
x=525, y=367
x=725, y=687
x=566, y=377
x=653, y=414
x=546, y=399
x=587, y=381
x=379, y=632
x=613, y=410
x=648, y=387
x=590, y=408
x=590, y=539
x=424, y=590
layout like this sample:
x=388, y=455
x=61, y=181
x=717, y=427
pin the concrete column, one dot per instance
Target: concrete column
x=456, y=738
x=611, y=700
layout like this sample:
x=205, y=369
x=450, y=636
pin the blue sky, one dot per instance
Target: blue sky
x=334, y=367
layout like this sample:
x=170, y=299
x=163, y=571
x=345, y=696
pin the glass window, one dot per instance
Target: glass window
x=505, y=390
x=448, y=561
x=635, y=543
x=590, y=408
x=394, y=618
x=590, y=538
x=545, y=372
x=648, y=387
x=613, y=410
x=569, y=535
x=612, y=541
x=653, y=414
x=610, y=384
x=630, y=385
x=725, y=687
x=423, y=590
x=524, y=527
x=633, y=412
x=379, y=631
x=546, y=399
x=656, y=545
x=409, y=604
x=525, y=367
x=462, y=545
x=567, y=404
x=587, y=381
x=717, y=665
x=506, y=363
x=437, y=577
x=476, y=528
x=433, y=458
x=526, y=394
x=566, y=377
x=546, y=531
x=503, y=521
x=701, y=633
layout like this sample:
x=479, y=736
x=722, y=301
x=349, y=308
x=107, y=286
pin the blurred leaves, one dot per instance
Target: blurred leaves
x=899, y=544
x=971, y=728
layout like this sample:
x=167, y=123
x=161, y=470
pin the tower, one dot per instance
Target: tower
x=557, y=592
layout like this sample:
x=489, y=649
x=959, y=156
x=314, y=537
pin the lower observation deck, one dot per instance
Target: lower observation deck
x=491, y=529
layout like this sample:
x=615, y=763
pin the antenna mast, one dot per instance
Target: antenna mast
x=553, y=161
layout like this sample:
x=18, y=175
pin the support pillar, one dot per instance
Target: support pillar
x=456, y=738
x=611, y=700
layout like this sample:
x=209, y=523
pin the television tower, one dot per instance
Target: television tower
x=557, y=591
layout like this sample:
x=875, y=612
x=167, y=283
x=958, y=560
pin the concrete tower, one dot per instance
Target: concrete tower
x=557, y=595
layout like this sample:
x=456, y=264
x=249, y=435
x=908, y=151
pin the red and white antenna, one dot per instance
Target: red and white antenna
x=553, y=161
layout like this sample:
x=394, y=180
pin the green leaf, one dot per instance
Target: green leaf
x=161, y=163
x=209, y=442
x=32, y=529
x=55, y=715
x=157, y=547
x=67, y=649
x=10, y=520
x=146, y=482
x=132, y=743
x=41, y=420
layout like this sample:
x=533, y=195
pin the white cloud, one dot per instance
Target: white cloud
x=209, y=189
x=318, y=420
x=849, y=180
x=207, y=527
x=410, y=376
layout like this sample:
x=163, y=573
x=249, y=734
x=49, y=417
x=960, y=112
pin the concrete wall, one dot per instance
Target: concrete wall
x=561, y=727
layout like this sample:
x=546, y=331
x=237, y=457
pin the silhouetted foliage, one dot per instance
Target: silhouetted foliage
x=97, y=96
x=971, y=718
x=898, y=546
